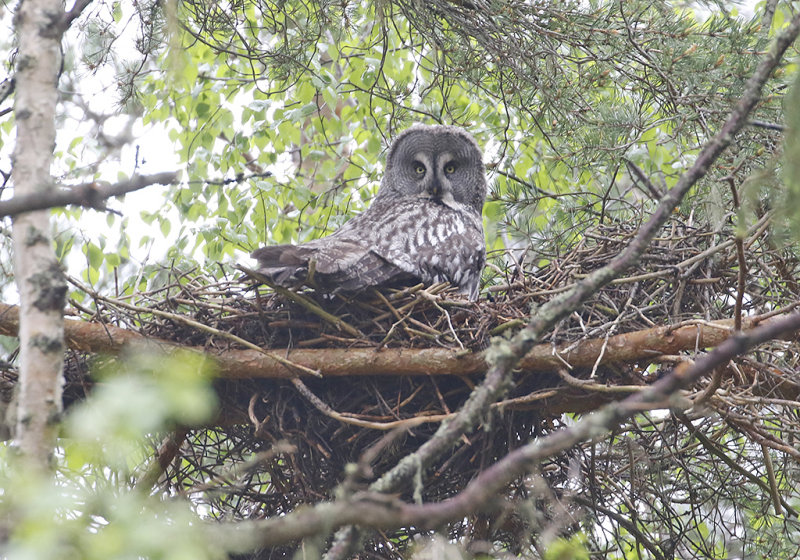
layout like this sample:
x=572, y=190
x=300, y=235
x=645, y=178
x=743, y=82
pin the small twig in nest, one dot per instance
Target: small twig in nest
x=590, y=385
x=300, y=299
x=431, y=290
x=258, y=425
x=433, y=299
x=611, y=329
x=348, y=419
x=400, y=320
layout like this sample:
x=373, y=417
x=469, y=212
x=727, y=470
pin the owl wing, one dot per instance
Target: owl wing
x=339, y=263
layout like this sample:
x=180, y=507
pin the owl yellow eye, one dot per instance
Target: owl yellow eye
x=419, y=169
x=449, y=168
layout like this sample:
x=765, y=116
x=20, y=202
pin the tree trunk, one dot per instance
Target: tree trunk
x=40, y=280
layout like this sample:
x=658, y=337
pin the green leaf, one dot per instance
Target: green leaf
x=94, y=255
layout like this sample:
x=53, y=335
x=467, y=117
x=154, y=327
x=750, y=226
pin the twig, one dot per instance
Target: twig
x=590, y=385
x=346, y=418
x=432, y=298
x=400, y=322
x=739, y=239
x=611, y=329
x=164, y=455
x=303, y=301
x=773, y=483
x=642, y=177
x=767, y=125
x=713, y=385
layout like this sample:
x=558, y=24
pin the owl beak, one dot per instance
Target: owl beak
x=435, y=189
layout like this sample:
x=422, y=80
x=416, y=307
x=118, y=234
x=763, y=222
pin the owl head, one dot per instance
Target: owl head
x=436, y=162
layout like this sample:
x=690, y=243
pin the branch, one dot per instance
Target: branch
x=634, y=347
x=6, y=88
x=481, y=495
x=91, y=195
x=68, y=17
x=630, y=347
x=642, y=177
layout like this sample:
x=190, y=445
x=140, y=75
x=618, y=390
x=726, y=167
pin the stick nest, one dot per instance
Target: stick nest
x=279, y=444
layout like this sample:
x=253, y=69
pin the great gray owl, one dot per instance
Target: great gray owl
x=424, y=224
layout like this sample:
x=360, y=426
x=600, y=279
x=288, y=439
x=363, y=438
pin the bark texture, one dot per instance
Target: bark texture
x=40, y=280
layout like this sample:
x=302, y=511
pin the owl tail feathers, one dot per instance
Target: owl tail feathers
x=286, y=265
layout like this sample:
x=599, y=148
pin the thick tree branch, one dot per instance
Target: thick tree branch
x=484, y=493
x=91, y=195
x=634, y=347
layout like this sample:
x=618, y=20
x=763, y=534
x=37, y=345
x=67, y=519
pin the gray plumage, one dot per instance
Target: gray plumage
x=424, y=224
